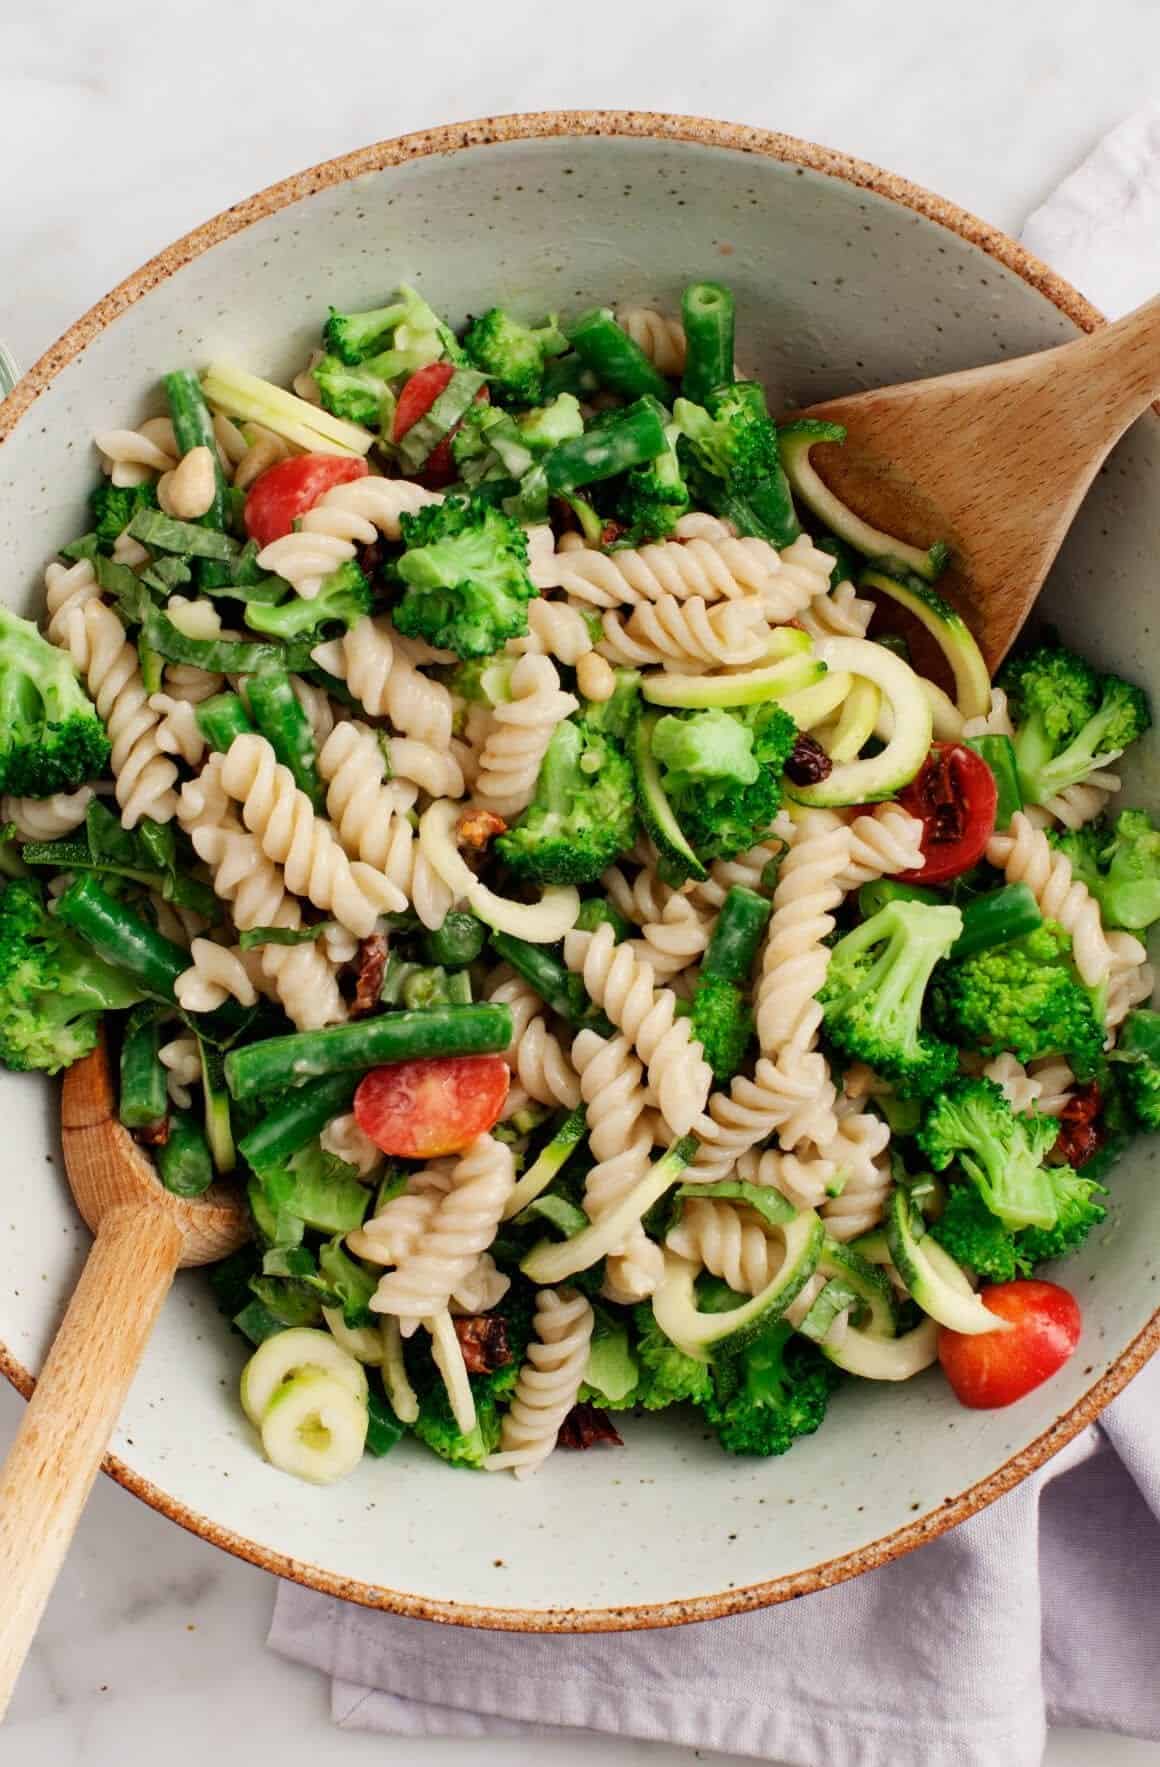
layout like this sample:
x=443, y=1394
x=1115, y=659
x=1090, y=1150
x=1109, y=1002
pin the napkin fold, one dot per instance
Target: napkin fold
x=1043, y=1609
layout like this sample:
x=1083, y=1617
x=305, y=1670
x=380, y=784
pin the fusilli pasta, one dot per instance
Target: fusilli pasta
x=343, y=519
x=181, y=1060
x=46, y=819
x=620, y=1137
x=549, y=1382
x=145, y=776
x=884, y=840
x=370, y=819
x=520, y=733
x=219, y=973
x=662, y=339
x=1026, y=856
x=376, y=665
x=343, y=1138
x=535, y=1054
x=795, y=956
x=680, y=635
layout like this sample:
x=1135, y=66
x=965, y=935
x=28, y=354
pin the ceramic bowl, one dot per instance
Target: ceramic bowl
x=845, y=278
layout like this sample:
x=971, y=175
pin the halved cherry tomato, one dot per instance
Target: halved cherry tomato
x=417, y=1110
x=955, y=797
x=416, y=399
x=995, y=1368
x=288, y=490
x=419, y=393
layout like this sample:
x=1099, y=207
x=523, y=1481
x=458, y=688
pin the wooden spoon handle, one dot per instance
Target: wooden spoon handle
x=1118, y=367
x=55, y=1458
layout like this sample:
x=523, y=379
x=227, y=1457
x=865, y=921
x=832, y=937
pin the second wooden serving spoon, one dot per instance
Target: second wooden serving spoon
x=143, y=1234
x=994, y=460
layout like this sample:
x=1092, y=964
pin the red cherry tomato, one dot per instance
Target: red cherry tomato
x=288, y=490
x=955, y=797
x=998, y=1367
x=418, y=395
x=416, y=399
x=417, y=1110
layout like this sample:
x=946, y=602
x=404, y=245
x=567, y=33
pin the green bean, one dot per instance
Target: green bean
x=999, y=754
x=144, y=1095
x=740, y=926
x=707, y=312
x=128, y=942
x=875, y=896
x=553, y=982
x=183, y=1161
x=296, y=1120
x=193, y=428
x=629, y=437
x=617, y=362
x=286, y=728
x=1006, y=913
x=219, y=1131
x=221, y=718
x=457, y=942
x=279, y=1062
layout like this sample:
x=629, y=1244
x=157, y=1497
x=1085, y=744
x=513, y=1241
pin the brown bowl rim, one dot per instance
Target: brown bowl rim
x=486, y=132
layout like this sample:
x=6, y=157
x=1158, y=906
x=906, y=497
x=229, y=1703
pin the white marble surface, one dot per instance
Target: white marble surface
x=124, y=124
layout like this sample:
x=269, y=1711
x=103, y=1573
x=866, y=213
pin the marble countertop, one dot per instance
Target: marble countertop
x=123, y=125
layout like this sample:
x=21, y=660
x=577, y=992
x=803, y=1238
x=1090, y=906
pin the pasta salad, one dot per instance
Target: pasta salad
x=490, y=787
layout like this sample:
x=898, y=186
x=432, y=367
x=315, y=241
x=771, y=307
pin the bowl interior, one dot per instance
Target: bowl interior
x=837, y=287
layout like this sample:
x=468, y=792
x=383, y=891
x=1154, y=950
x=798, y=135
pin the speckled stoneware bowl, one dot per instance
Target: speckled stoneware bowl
x=845, y=277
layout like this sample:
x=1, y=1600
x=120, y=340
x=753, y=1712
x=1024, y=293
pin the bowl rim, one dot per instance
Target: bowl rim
x=488, y=132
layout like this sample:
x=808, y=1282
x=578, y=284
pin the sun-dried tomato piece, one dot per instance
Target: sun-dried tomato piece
x=1080, y=1135
x=153, y=1134
x=483, y=1338
x=587, y=1427
x=477, y=828
x=370, y=964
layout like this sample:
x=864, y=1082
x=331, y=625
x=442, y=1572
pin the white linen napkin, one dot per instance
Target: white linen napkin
x=1045, y=1608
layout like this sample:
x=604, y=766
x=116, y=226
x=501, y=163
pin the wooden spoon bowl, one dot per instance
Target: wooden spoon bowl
x=994, y=460
x=142, y=1236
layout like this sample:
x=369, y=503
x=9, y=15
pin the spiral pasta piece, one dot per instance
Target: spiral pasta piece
x=67, y=589
x=134, y=456
x=343, y=519
x=623, y=985
x=675, y=939
x=680, y=635
x=483, y=1288
x=662, y=339
x=343, y=1138
x=838, y=613
x=1053, y=1076
x=882, y=841
x=745, y=869
x=805, y=1180
x=370, y=820
x=317, y=704
x=435, y=771
x=47, y=819
x=1077, y=804
x=1131, y=980
x=728, y=1240
x=1025, y=855
x=521, y=730
x=554, y=629
x=401, y=1224
x=181, y=1059
x=795, y=957
x=549, y=1382
x=145, y=776
x=463, y=1225
x=219, y=973
x=535, y=1054
x=301, y=976
x=792, y=1097
x=620, y=1136
x=376, y=664
x=862, y=1202
x=1021, y=1089
x=718, y=569
x=996, y=721
x=313, y=861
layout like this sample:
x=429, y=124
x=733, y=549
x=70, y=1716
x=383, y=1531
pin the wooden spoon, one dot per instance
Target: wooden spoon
x=143, y=1235
x=994, y=460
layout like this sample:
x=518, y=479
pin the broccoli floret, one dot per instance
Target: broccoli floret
x=436, y=1426
x=1022, y=996
x=1001, y=1153
x=114, y=506
x=549, y=425
x=721, y=772
x=874, y=992
x=466, y=571
x=415, y=332
x=358, y=393
x=582, y=815
x=345, y=596
x=513, y=354
x=51, y=737
x=654, y=496
x=773, y=1392
x=1069, y=719
x=732, y=461
x=616, y=716
x=973, y=1236
x=596, y=911
x=722, y=1023
x=1137, y=1066
x=52, y=990
x=1078, y=1211
x=1120, y=864
x=668, y=1376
